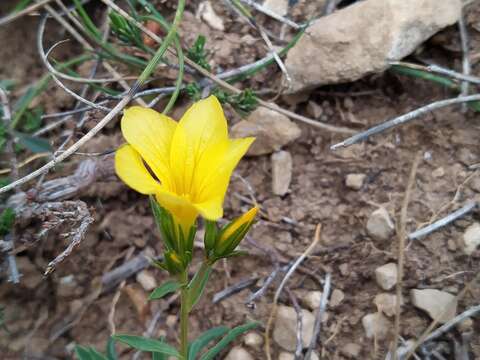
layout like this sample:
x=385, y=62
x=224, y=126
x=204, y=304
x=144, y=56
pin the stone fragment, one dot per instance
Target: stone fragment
x=285, y=329
x=379, y=225
x=386, y=276
x=336, y=298
x=471, y=238
x=147, y=280
x=386, y=303
x=281, y=172
x=376, y=326
x=312, y=299
x=238, y=353
x=365, y=36
x=351, y=350
x=271, y=129
x=253, y=339
x=355, y=181
x=279, y=7
x=440, y=305
x=208, y=14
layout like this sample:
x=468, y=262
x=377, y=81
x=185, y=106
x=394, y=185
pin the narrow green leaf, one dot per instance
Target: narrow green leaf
x=197, y=346
x=164, y=289
x=88, y=353
x=227, y=339
x=111, y=352
x=197, y=285
x=32, y=143
x=159, y=356
x=7, y=219
x=149, y=345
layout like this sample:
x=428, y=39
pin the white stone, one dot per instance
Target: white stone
x=279, y=7
x=440, y=305
x=376, y=326
x=286, y=356
x=239, y=353
x=386, y=276
x=147, y=280
x=380, y=225
x=271, y=129
x=253, y=339
x=285, y=329
x=351, y=350
x=336, y=298
x=207, y=14
x=386, y=303
x=355, y=181
x=365, y=36
x=281, y=172
x=471, y=238
x=312, y=299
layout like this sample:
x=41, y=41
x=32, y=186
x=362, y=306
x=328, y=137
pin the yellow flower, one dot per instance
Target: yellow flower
x=189, y=162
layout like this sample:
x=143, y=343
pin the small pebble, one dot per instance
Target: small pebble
x=239, y=353
x=336, y=298
x=355, y=181
x=253, y=339
x=147, y=280
x=386, y=276
x=379, y=225
x=376, y=326
x=471, y=238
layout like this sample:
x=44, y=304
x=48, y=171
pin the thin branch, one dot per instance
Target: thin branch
x=464, y=40
x=465, y=209
x=404, y=119
x=319, y=316
x=9, y=18
x=298, y=310
x=272, y=14
x=401, y=249
x=231, y=290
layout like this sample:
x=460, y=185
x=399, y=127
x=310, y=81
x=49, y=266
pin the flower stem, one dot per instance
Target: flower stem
x=184, y=316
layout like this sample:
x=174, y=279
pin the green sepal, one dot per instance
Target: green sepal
x=211, y=233
x=228, y=245
x=174, y=267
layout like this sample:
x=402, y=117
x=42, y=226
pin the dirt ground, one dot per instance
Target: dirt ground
x=46, y=316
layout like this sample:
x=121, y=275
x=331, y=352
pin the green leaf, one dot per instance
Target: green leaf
x=197, y=285
x=159, y=356
x=88, y=353
x=32, y=119
x=111, y=352
x=7, y=219
x=32, y=143
x=164, y=289
x=197, y=346
x=227, y=339
x=149, y=345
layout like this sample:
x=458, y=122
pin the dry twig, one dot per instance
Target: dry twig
x=401, y=248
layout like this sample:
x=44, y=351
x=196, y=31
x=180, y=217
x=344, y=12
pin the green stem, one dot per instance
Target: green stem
x=184, y=301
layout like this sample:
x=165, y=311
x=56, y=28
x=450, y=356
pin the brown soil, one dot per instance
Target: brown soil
x=45, y=316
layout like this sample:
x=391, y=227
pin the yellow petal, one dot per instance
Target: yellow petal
x=202, y=124
x=130, y=168
x=211, y=209
x=181, y=208
x=246, y=218
x=214, y=172
x=150, y=133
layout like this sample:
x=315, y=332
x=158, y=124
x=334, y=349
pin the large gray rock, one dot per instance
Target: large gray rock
x=440, y=305
x=361, y=38
x=271, y=129
x=285, y=330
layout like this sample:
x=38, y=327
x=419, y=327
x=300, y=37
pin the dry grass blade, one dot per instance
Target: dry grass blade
x=289, y=273
x=402, y=235
x=31, y=8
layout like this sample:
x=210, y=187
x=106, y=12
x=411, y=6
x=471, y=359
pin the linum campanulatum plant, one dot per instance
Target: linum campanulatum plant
x=185, y=168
